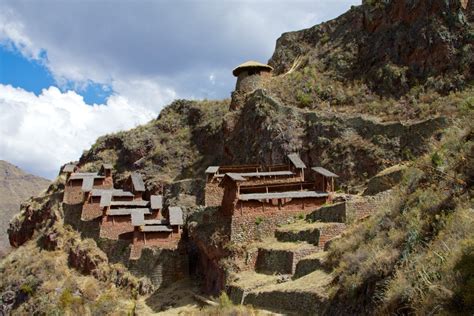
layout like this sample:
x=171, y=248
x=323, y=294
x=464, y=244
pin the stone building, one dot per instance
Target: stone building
x=263, y=197
x=250, y=76
x=291, y=171
x=98, y=199
x=162, y=232
x=134, y=184
x=324, y=179
x=79, y=184
x=117, y=217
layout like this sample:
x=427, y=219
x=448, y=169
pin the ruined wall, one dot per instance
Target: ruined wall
x=162, y=266
x=116, y=227
x=360, y=207
x=253, y=222
x=214, y=193
x=328, y=232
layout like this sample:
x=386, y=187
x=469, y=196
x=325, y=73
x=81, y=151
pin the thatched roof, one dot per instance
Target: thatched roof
x=250, y=64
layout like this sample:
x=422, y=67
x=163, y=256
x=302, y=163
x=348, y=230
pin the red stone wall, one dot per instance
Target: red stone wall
x=114, y=226
x=274, y=205
x=91, y=211
x=73, y=192
x=254, y=222
x=162, y=240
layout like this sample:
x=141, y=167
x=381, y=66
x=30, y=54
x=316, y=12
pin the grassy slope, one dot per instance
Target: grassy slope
x=416, y=256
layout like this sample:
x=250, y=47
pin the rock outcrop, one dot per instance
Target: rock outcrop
x=392, y=45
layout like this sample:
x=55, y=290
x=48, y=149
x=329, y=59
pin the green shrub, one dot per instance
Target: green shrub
x=258, y=220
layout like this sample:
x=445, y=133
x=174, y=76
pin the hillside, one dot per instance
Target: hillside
x=16, y=187
x=386, y=86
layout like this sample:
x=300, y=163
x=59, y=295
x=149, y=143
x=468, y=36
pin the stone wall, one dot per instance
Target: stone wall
x=162, y=266
x=116, y=227
x=165, y=240
x=73, y=193
x=254, y=222
x=304, y=302
x=91, y=211
x=358, y=207
x=328, y=232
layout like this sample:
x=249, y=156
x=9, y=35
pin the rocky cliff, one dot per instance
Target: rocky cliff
x=390, y=45
x=16, y=186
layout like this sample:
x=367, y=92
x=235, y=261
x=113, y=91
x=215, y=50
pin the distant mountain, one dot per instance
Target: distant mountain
x=15, y=187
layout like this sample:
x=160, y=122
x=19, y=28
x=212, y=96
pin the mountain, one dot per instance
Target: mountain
x=16, y=187
x=383, y=95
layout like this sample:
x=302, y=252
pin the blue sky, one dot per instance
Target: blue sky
x=33, y=75
x=71, y=71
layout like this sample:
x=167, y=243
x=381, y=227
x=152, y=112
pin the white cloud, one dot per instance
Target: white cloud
x=39, y=133
x=148, y=52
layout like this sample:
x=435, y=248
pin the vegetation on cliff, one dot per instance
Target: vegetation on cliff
x=416, y=255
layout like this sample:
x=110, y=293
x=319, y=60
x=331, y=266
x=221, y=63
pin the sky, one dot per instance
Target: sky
x=73, y=70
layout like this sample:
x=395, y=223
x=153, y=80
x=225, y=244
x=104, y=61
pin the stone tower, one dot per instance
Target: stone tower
x=250, y=76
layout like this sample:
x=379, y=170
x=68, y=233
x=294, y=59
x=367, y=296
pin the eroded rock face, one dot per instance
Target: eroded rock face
x=209, y=233
x=36, y=214
x=392, y=45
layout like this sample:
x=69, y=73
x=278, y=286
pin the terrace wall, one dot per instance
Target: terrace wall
x=253, y=220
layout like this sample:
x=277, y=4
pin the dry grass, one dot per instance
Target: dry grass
x=315, y=282
x=273, y=244
x=302, y=225
x=50, y=286
x=409, y=254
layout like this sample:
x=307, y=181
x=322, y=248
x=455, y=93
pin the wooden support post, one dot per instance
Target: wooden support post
x=332, y=184
x=144, y=238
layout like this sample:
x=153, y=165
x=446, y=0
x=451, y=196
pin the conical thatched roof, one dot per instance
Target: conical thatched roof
x=250, y=64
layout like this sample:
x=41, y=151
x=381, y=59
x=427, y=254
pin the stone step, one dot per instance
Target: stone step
x=274, y=257
x=304, y=296
x=311, y=263
x=313, y=233
x=247, y=281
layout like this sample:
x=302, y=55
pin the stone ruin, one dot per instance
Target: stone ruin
x=123, y=214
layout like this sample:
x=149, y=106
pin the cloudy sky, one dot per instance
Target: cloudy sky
x=71, y=71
